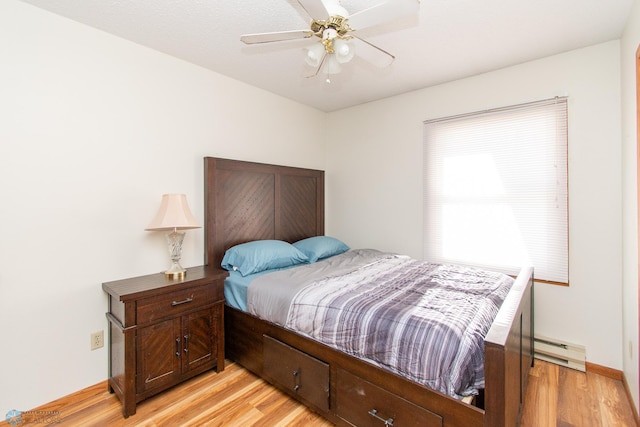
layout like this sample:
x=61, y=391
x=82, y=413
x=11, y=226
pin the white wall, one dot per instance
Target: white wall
x=375, y=181
x=93, y=130
x=629, y=45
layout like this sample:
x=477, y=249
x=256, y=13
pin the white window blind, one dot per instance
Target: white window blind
x=495, y=189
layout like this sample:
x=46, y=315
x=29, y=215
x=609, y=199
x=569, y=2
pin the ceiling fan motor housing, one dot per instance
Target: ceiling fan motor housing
x=328, y=30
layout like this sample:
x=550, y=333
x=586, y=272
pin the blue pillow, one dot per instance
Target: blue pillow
x=320, y=247
x=260, y=255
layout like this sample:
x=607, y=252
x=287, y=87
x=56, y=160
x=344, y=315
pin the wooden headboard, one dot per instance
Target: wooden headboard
x=247, y=201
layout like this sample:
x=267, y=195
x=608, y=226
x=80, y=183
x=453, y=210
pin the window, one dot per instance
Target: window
x=495, y=189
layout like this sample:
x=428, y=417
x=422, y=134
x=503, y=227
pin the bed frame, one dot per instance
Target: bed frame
x=247, y=201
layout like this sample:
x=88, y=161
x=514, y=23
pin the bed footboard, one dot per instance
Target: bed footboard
x=508, y=352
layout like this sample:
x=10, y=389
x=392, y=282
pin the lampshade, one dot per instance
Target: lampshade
x=174, y=214
x=345, y=50
x=315, y=53
x=332, y=65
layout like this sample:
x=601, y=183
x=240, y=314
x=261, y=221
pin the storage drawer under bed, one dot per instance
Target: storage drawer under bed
x=296, y=372
x=364, y=404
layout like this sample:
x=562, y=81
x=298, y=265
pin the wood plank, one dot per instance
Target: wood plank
x=569, y=379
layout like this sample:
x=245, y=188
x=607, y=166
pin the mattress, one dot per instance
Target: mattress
x=424, y=321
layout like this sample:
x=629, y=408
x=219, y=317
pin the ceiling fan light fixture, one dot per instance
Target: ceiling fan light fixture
x=314, y=56
x=344, y=50
x=332, y=65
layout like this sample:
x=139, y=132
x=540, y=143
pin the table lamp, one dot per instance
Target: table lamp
x=174, y=214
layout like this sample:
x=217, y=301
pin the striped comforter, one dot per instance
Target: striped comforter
x=422, y=320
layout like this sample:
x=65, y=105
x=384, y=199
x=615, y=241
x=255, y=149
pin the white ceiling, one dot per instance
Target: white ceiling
x=448, y=40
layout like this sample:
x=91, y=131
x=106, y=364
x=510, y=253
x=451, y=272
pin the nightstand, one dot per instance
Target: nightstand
x=163, y=331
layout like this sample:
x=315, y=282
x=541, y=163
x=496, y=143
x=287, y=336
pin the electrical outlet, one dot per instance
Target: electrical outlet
x=97, y=340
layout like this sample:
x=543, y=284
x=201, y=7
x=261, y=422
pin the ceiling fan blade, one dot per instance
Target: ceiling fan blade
x=373, y=54
x=276, y=36
x=384, y=11
x=316, y=9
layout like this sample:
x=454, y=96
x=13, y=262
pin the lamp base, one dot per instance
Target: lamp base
x=175, y=275
x=176, y=271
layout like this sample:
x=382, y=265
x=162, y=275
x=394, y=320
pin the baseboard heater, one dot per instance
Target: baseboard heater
x=559, y=352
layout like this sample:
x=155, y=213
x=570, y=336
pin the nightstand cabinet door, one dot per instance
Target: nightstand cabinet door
x=159, y=355
x=199, y=337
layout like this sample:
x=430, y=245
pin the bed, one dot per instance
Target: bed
x=246, y=202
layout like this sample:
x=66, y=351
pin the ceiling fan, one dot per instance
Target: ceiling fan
x=334, y=29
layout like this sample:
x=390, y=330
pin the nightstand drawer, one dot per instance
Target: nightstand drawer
x=177, y=302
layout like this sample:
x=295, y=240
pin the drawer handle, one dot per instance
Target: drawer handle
x=184, y=301
x=387, y=422
x=296, y=380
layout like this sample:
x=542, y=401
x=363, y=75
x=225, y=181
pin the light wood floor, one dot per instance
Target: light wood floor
x=555, y=397
x=565, y=397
